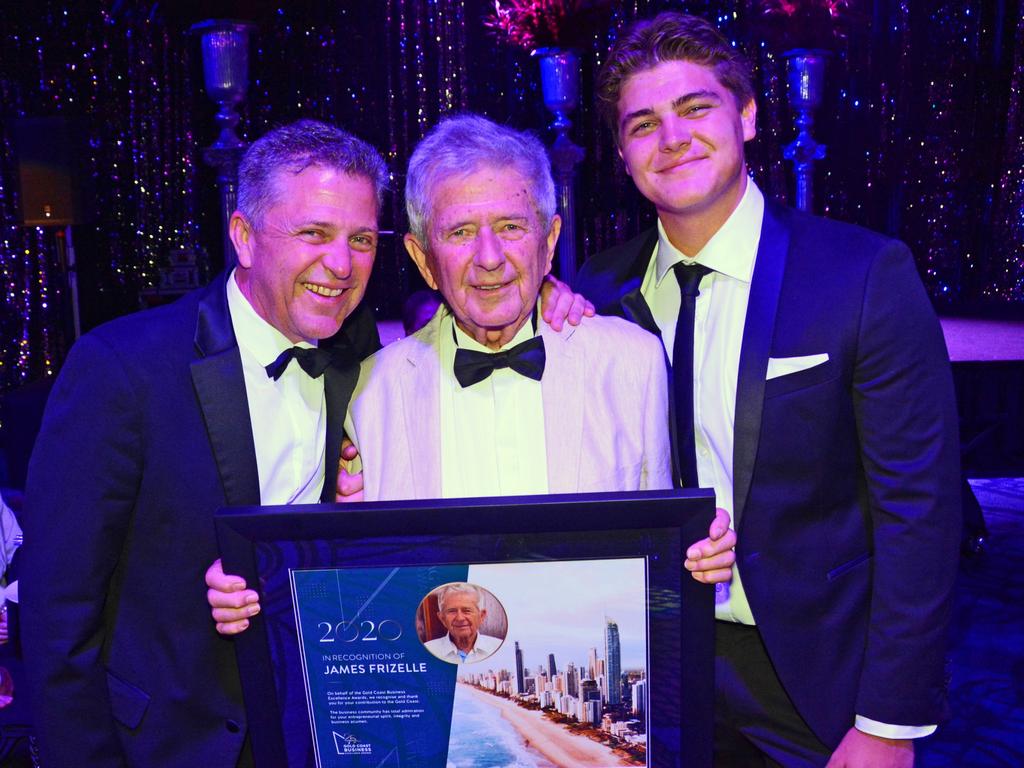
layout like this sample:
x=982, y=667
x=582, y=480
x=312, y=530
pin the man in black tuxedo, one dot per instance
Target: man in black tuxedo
x=159, y=418
x=812, y=390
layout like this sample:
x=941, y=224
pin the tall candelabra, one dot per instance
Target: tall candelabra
x=806, y=82
x=559, y=81
x=225, y=46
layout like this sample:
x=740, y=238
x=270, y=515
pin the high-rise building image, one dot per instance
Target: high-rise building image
x=572, y=680
x=639, y=697
x=551, y=666
x=613, y=662
x=520, y=682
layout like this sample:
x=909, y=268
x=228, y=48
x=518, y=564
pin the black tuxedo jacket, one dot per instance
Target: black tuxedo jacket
x=146, y=433
x=845, y=475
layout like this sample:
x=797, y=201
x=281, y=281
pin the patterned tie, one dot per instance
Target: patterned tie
x=313, y=360
x=682, y=369
x=527, y=359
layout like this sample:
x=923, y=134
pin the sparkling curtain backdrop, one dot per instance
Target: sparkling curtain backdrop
x=922, y=119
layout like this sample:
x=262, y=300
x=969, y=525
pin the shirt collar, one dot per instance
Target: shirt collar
x=449, y=649
x=254, y=334
x=465, y=341
x=731, y=250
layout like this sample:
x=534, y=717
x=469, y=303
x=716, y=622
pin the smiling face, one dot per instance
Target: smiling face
x=681, y=136
x=462, y=618
x=306, y=267
x=486, y=251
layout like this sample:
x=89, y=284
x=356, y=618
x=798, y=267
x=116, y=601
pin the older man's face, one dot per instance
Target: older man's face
x=461, y=617
x=487, y=251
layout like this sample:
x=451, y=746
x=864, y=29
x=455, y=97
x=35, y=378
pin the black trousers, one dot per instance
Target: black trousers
x=756, y=723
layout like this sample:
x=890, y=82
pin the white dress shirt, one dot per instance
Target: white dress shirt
x=446, y=650
x=720, y=313
x=492, y=432
x=288, y=416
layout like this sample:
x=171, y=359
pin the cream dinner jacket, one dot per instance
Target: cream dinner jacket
x=605, y=412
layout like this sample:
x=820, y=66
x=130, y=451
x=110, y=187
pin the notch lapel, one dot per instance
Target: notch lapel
x=220, y=390
x=634, y=306
x=758, y=330
x=421, y=412
x=563, y=408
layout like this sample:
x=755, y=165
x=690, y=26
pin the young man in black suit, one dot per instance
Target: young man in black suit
x=812, y=390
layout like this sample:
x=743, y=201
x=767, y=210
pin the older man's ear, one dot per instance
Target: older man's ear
x=418, y=254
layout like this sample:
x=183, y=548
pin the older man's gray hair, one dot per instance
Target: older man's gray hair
x=458, y=588
x=293, y=148
x=462, y=145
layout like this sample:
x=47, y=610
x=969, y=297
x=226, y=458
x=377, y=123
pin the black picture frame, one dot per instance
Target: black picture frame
x=263, y=544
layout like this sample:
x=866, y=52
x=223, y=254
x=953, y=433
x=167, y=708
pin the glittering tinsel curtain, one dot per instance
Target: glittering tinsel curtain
x=123, y=77
x=923, y=124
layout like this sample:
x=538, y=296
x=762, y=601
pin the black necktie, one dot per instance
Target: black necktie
x=682, y=369
x=313, y=360
x=527, y=359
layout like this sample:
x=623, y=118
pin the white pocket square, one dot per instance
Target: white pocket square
x=783, y=366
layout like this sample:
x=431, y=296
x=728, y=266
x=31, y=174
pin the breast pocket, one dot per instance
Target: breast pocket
x=792, y=382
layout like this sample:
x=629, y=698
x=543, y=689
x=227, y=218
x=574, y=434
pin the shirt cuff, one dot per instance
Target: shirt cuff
x=887, y=731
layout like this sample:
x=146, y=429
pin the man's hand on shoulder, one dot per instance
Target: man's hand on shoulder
x=559, y=304
x=231, y=603
x=862, y=750
x=710, y=560
x=350, y=482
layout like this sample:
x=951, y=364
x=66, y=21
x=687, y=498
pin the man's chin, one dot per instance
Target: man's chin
x=318, y=328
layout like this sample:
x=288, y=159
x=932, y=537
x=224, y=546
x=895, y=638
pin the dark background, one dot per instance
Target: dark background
x=923, y=125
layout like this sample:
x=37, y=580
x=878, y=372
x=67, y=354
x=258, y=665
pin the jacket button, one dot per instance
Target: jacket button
x=232, y=726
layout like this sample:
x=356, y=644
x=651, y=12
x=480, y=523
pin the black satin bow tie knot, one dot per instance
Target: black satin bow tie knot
x=527, y=359
x=313, y=360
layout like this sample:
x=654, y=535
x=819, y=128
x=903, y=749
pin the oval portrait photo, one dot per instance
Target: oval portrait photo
x=461, y=623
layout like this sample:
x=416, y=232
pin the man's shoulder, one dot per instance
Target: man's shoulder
x=488, y=643
x=618, y=257
x=152, y=328
x=607, y=275
x=823, y=233
x=615, y=335
x=402, y=349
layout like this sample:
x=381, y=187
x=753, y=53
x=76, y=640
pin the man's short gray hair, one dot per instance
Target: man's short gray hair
x=458, y=588
x=461, y=145
x=294, y=147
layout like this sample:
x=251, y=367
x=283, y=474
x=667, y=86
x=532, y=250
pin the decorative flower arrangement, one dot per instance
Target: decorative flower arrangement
x=788, y=24
x=534, y=24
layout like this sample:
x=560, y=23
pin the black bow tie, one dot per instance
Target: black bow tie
x=313, y=360
x=527, y=358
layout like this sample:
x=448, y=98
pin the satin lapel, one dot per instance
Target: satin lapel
x=338, y=385
x=634, y=306
x=562, y=393
x=421, y=410
x=758, y=330
x=220, y=389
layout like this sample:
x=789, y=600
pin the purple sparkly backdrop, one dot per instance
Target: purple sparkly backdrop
x=923, y=123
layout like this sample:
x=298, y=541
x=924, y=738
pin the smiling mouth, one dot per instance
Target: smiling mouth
x=679, y=164
x=495, y=287
x=323, y=290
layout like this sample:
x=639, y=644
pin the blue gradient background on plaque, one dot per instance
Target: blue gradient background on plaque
x=375, y=595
